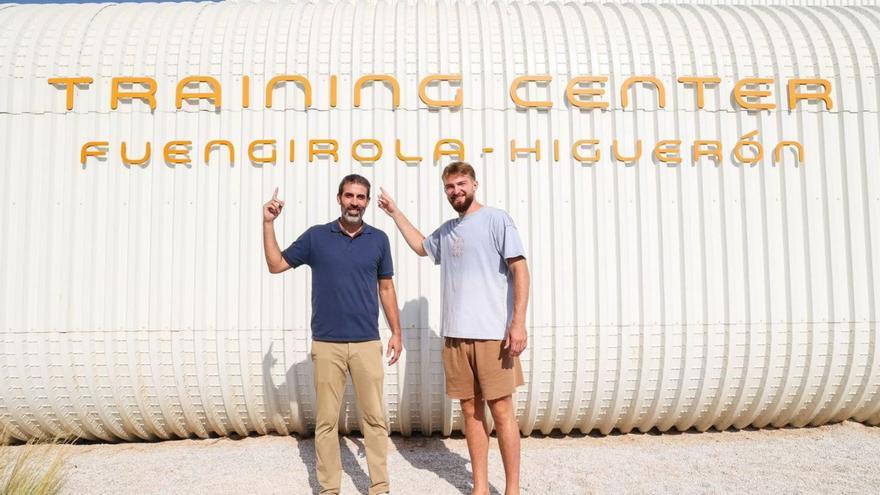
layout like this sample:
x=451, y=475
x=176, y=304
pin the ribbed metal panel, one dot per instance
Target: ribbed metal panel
x=135, y=302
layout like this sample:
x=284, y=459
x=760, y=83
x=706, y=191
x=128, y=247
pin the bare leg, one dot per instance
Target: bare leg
x=477, y=435
x=508, y=441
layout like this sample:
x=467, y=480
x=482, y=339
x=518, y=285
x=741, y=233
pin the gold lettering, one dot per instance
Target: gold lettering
x=307, y=87
x=423, y=93
x=252, y=148
x=70, y=84
x=626, y=159
x=87, y=151
x=457, y=153
x=134, y=161
x=367, y=159
x=745, y=141
x=699, y=83
x=402, y=157
x=777, y=151
x=740, y=93
x=514, y=86
x=395, y=88
x=574, y=91
x=661, y=91
x=711, y=149
x=218, y=143
x=794, y=97
x=575, y=151
x=215, y=93
x=149, y=96
x=514, y=151
x=177, y=152
x=315, y=150
x=246, y=91
x=668, y=151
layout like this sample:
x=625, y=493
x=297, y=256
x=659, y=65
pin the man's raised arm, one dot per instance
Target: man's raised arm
x=271, y=210
x=412, y=235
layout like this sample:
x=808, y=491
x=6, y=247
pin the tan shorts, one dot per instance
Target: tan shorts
x=479, y=367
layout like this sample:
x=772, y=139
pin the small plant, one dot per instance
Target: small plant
x=32, y=469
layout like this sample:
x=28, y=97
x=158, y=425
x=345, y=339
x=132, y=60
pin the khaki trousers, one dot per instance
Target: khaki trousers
x=363, y=360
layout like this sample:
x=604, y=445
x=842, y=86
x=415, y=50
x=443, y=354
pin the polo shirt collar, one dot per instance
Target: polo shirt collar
x=334, y=227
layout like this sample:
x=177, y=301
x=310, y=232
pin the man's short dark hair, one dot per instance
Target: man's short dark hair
x=354, y=179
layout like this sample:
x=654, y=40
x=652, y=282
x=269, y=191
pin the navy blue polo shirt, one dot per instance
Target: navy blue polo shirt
x=345, y=274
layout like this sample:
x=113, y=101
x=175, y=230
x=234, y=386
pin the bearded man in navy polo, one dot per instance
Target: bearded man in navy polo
x=351, y=272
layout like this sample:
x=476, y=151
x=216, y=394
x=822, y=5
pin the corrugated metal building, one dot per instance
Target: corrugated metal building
x=714, y=292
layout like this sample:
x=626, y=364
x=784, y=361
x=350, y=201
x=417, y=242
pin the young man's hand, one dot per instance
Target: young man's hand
x=395, y=347
x=516, y=340
x=386, y=203
x=272, y=208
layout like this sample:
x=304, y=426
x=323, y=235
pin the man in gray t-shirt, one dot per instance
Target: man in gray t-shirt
x=472, y=251
x=485, y=290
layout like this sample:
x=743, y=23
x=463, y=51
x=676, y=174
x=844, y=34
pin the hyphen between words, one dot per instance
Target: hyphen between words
x=583, y=92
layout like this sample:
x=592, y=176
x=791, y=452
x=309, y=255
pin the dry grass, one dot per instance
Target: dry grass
x=32, y=469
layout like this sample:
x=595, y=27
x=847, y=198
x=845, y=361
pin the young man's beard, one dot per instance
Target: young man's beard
x=463, y=207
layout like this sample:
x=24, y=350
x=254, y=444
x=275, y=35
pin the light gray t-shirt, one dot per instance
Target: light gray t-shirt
x=477, y=290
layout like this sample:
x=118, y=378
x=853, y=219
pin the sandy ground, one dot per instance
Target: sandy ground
x=841, y=458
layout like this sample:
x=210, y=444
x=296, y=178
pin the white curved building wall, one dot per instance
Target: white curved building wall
x=135, y=302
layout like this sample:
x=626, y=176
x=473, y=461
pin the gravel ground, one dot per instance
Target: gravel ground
x=841, y=458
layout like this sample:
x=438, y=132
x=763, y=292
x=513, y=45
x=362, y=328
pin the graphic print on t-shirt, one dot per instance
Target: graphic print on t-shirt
x=458, y=246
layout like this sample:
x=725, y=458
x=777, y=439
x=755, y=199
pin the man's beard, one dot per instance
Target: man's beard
x=463, y=207
x=353, y=218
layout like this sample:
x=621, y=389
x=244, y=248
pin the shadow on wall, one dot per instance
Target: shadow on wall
x=421, y=360
x=283, y=408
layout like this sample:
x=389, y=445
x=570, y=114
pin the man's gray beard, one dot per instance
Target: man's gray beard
x=352, y=218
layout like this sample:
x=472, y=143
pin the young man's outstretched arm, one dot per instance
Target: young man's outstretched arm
x=413, y=237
